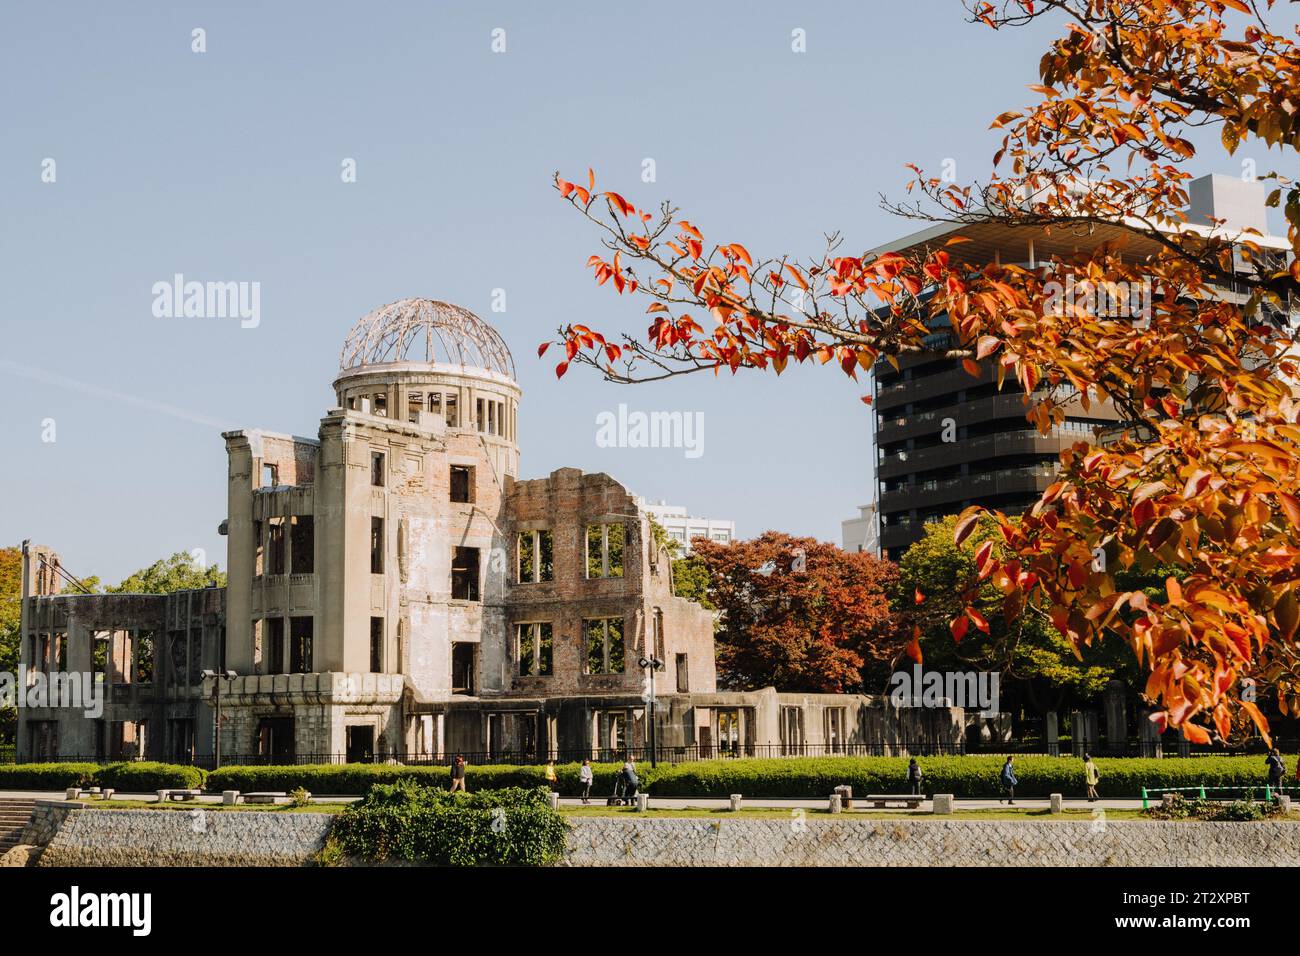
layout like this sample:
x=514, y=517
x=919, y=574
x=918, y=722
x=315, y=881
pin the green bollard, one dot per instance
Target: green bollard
x=1202, y=791
x=1144, y=798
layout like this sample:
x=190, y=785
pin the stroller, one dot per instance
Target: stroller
x=624, y=790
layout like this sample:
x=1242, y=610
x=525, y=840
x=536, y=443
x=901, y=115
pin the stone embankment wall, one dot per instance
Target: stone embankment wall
x=94, y=837
x=186, y=838
x=850, y=841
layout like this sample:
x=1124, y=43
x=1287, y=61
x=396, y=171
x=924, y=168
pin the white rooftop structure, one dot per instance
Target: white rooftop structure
x=863, y=532
x=682, y=527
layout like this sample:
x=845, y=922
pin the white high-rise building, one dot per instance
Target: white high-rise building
x=682, y=527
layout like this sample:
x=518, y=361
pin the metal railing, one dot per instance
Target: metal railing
x=1031, y=746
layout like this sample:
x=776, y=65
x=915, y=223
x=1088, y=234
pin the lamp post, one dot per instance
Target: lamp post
x=216, y=677
x=652, y=664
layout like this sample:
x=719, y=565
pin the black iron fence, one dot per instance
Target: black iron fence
x=1063, y=747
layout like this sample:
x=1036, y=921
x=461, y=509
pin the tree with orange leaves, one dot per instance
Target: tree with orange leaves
x=1205, y=477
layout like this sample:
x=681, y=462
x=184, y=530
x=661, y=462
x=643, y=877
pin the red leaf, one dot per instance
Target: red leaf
x=914, y=648
x=959, y=627
x=561, y=369
x=541, y=349
x=918, y=597
x=966, y=524
x=1195, y=733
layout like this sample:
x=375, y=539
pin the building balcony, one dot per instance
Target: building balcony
x=973, y=488
x=981, y=449
x=955, y=380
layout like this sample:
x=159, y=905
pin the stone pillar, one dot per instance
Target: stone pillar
x=1052, y=734
x=1149, y=733
x=1116, y=718
x=1083, y=732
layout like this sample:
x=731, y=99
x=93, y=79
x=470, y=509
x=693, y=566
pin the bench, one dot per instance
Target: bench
x=268, y=797
x=881, y=800
x=165, y=795
x=79, y=793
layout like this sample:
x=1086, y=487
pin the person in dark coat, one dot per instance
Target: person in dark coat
x=914, y=776
x=1009, y=781
x=1276, y=769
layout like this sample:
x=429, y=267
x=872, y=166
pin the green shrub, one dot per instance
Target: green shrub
x=144, y=776
x=46, y=776
x=1194, y=808
x=414, y=823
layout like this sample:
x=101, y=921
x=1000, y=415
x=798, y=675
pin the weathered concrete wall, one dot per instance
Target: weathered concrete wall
x=92, y=837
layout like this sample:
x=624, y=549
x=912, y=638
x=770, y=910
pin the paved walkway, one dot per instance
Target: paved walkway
x=676, y=803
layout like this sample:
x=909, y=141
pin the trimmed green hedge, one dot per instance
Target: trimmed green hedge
x=807, y=777
x=145, y=776
x=46, y=776
x=353, y=779
x=415, y=823
x=969, y=776
x=126, y=777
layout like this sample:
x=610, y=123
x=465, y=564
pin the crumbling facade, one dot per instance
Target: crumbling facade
x=395, y=591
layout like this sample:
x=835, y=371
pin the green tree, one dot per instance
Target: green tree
x=1039, y=669
x=691, y=580
x=180, y=572
x=11, y=575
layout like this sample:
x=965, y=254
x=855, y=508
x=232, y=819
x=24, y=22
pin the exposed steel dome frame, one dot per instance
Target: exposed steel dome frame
x=425, y=331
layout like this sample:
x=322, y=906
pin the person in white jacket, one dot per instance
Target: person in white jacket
x=586, y=778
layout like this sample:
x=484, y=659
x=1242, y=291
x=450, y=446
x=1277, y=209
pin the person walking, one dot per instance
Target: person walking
x=633, y=781
x=552, y=781
x=1091, y=776
x=586, y=778
x=1009, y=781
x=458, y=774
x=914, y=776
x=1276, y=770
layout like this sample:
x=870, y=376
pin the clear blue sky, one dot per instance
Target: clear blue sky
x=226, y=166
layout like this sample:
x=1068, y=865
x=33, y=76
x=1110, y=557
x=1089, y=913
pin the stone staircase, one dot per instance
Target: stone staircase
x=14, y=814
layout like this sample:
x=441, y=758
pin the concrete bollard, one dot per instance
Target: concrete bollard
x=74, y=793
x=107, y=793
x=942, y=804
x=846, y=796
x=229, y=798
x=642, y=802
x=1167, y=799
x=835, y=803
x=163, y=795
x=735, y=802
x=555, y=800
x=1284, y=802
x=1057, y=800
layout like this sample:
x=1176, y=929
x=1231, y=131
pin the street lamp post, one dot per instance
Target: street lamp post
x=216, y=679
x=652, y=664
